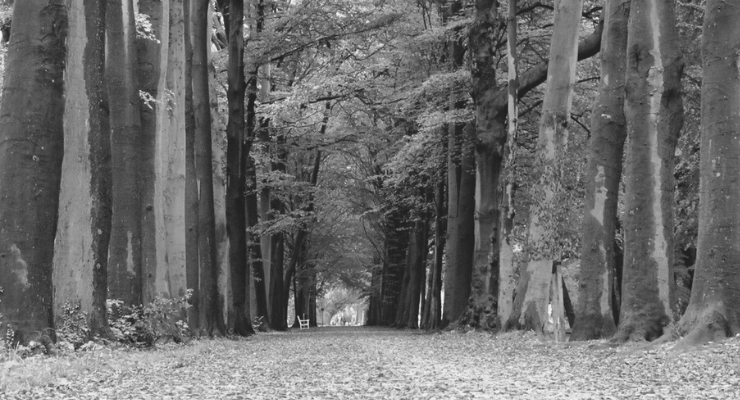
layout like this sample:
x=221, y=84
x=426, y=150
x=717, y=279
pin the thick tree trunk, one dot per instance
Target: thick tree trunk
x=219, y=148
x=211, y=320
x=152, y=72
x=192, y=228
x=396, y=242
x=172, y=158
x=654, y=118
x=278, y=312
x=432, y=315
x=608, y=125
x=506, y=281
x=83, y=230
x=460, y=223
x=490, y=137
x=530, y=305
x=714, y=309
x=408, y=316
x=235, y=172
x=124, y=261
x=31, y=149
x=461, y=198
x=254, y=247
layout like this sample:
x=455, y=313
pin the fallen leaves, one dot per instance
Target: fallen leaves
x=366, y=363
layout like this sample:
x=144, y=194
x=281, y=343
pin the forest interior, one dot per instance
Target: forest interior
x=463, y=198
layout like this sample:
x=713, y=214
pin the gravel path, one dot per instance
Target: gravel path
x=367, y=363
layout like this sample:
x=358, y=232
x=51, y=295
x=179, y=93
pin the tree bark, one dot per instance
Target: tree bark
x=714, y=309
x=654, y=112
x=83, y=230
x=506, y=282
x=461, y=198
x=172, y=159
x=432, y=316
x=278, y=311
x=530, y=305
x=490, y=138
x=408, y=315
x=460, y=217
x=31, y=149
x=152, y=72
x=608, y=125
x=124, y=260
x=235, y=172
x=192, y=226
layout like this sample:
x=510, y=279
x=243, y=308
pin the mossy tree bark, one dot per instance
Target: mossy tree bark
x=654, y=112
x=31, y=149
x=714, y=309
x=595, y=318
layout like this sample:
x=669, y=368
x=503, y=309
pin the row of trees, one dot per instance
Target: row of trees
x=626, y=277
x=262, y=150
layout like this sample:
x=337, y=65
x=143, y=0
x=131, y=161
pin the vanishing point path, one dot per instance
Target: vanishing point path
x=377, y=363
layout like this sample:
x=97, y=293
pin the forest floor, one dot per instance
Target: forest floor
x=374, y=363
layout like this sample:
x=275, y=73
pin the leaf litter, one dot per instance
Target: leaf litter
x=381, y=363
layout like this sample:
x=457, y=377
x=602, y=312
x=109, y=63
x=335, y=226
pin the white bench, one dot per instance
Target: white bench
x=303, y=322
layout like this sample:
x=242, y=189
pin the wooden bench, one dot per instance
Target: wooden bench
x=303, y=322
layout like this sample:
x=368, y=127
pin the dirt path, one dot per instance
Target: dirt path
x=365, y=363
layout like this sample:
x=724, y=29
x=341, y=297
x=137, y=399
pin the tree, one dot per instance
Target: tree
x=152, y=69
x=80, y=267
x=530, y=306
x=460, y=194
x=714, y=309
x=235, y=173
x=654, y=118
x=31, y=149
x=490, y=137
x=211, y=320
x=124, y=261
x=594, y=316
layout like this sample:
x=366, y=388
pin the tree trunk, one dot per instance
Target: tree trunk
x=254, y=248
x=192, y=228
x=432, y=317
x=461, y=198
x=608, y=125
x=152, y=72
x=235, y=172
x=530, y=305
x=211, y=320
x=124, y=260
x=31, y=149
x=172, y=159
x=278, y=315
x=714, y=309
x=460, y=233
x=408, y=316
x=654, y=118
x=219, y=148
x=84, y=226
x=506, y=282
x=490, y=137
